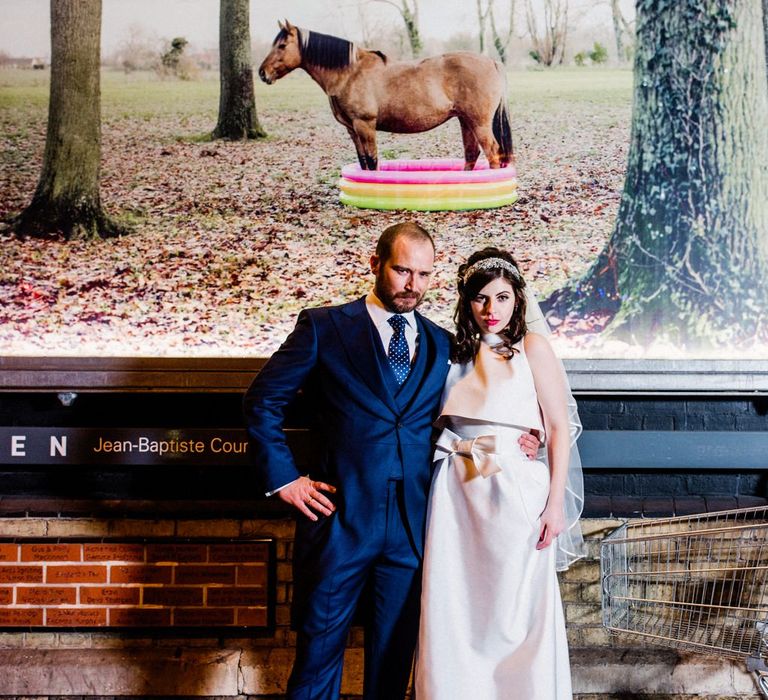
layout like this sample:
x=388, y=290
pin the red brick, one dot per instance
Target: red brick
x=109, y=595
x=21, y=618
x=6, y=596
x=254, y=575
x=75, y=617
x=140, y=574
x=50, y=552
x=173, y=596
x=205, y=574
x=252, y=617
x=9, y=552
x=45, y=595
x=113, y=552
x=201, y=617
x=239, y=552
x=76, y=574
x=233, y=597
x=140, y=617
x=176, y=552
x=21, y=574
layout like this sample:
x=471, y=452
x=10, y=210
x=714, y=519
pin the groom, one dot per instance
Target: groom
x=373, y=371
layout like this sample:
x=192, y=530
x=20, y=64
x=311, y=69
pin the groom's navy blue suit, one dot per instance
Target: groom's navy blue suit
x=373, y=444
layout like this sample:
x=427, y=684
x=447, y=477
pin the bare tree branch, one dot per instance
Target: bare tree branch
x=549, y=42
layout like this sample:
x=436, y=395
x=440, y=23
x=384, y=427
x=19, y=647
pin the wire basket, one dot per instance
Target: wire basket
x=695, y=582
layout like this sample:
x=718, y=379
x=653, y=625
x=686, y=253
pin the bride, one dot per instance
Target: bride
x=499, y=524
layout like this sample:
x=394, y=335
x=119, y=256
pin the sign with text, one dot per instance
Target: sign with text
x=118, y=446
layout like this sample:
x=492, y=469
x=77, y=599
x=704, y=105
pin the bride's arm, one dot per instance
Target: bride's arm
x=550, y=386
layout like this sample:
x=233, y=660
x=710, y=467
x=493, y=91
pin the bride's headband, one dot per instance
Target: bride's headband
x=491, y=264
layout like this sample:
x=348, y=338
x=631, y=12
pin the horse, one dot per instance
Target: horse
x=367, y=91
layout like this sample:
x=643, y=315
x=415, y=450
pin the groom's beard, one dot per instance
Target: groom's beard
x=398, y=302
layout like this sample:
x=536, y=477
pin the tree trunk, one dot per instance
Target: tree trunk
x=66, y=199
x=237, y=104
x=618, y=30
x=481, y=18
x=687, y=261
x=500, y=43
x=411, y=19
x=765, y=33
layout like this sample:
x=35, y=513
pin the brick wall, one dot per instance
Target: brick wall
x=100, y=662
x=197, y=583
x=702, y=490
x=673, y=413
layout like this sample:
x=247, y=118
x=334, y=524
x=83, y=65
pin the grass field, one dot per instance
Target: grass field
x=230, y=240
x=140, y=91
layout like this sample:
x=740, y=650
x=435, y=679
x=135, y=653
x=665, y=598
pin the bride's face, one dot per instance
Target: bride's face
x=493, y=306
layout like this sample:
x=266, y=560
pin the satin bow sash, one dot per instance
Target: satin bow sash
x=479, y=452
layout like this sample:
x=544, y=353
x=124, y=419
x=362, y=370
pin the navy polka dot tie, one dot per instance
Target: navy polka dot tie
x=399, y=358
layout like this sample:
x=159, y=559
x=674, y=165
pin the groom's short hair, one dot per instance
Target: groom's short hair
x=409, y=229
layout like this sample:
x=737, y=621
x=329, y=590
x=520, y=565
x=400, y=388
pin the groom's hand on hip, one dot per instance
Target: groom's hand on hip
x=307, y=496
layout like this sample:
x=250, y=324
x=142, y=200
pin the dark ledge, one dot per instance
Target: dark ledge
x=127, y=374
x=217, y=374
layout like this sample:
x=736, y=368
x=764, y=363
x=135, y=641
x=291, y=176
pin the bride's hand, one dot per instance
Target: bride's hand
x=552, y=520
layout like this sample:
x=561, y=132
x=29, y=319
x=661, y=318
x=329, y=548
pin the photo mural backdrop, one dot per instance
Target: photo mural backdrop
x=641, y=220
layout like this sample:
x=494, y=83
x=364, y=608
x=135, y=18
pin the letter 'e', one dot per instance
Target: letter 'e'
x=17, y=445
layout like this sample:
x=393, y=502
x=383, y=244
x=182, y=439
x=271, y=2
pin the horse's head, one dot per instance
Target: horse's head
x=284, y=56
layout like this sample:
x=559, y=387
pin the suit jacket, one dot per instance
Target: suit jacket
x=365, y=433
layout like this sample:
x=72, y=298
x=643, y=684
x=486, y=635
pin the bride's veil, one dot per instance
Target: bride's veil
x=570, y=543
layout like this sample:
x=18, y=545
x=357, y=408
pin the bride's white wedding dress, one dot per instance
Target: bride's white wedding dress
x=492, y=623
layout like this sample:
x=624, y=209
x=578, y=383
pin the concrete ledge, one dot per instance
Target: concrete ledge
x=233, y=672
x=163, y=672
x=622, y=672
x=115, y=672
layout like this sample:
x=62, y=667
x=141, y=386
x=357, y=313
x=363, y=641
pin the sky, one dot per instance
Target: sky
x=25, y=30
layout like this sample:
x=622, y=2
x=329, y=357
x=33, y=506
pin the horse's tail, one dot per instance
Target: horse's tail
x=502, y=130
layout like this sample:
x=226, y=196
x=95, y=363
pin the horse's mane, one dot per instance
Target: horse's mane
x=324, y=50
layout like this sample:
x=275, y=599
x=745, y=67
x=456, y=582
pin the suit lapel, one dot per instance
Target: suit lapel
x=356, y=334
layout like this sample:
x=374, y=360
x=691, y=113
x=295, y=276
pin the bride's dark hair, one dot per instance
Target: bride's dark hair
x=467, y=339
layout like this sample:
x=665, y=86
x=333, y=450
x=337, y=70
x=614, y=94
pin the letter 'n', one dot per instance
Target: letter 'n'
x=58, y=447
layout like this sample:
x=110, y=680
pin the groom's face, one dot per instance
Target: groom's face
x=403, y=279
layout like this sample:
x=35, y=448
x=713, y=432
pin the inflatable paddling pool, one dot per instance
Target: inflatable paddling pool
x=437, y=184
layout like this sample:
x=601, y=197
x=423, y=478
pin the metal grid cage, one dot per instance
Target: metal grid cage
x=694, y=582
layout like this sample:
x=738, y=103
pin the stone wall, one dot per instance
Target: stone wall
x=95, y=664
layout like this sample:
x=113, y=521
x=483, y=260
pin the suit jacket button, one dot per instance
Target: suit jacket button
x=399, y=425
